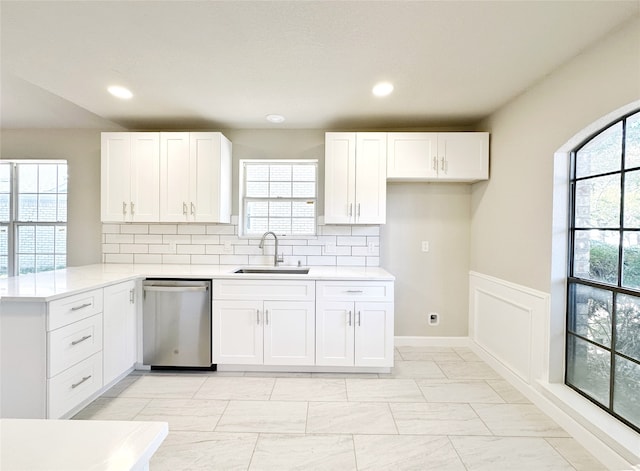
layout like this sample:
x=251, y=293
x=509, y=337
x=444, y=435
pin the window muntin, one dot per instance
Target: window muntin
x=603, y=302
x=279, y=196
x=33, y=216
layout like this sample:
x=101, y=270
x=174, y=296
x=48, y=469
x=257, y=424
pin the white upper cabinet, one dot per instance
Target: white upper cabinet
x=130, y=177
x=355, y=178
x=451, y=156
x=195, y=177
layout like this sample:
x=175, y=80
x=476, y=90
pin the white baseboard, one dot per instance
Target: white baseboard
x=417, y=341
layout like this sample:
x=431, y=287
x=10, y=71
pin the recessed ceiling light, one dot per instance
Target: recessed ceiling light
x=275, y=118
x=382, y=89
x=120, y=92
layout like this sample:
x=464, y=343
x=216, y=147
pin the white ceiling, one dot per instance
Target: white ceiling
x=227, y=64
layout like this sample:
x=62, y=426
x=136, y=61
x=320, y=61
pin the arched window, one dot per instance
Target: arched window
x=603, y=301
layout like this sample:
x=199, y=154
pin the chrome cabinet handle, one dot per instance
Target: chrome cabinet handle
x=266, y=317
x=442, y=164
x=82, y=306
x=359, y=317
x=76, y=342
x=435, y=163
x=350, y=209
x=349, y=318
x=358, y=209
x=257, y=316
x=354, y=291
x=132, y=208
x=86, y=378
x=193, y=208
x=132, y=296
x=184, y=208
x=124, y=208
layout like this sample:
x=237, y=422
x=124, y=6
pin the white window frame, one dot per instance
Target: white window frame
x=13, y=224
x=242, y=201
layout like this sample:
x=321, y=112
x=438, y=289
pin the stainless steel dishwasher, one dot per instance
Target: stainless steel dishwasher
x=176, y=323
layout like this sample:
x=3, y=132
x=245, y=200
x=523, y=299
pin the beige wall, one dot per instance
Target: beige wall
x=511, y=214
x=81, y=149
x=435, y=281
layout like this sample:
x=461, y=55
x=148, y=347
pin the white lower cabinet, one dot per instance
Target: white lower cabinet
x=354, y=324
x=119, y=349
x=263, y=322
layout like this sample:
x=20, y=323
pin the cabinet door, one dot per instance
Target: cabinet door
x=289, y=333
x=237, y=332
x=373, y=334
x=210, y=177
x=412, y=156
x=119, y=317
x=145, y=177
x=115, y=176
x=334, y=333
x=463, y=156
x=340, y=168
x=371, y=178
x=174, y=177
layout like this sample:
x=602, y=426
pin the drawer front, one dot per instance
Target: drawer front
x=272, y=290
x=74, y=308
x=354, y=291
x=73, y=343
x=74, y=385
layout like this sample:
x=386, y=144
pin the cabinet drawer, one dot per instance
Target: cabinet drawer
x=74, y=385
x=272, y=290
x=73, y=343
x=354, y=290
x=74, y=308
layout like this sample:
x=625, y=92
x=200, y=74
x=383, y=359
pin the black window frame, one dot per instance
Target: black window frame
x=615, y=289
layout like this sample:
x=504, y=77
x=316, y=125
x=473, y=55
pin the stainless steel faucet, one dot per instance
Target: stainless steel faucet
x=276, y=258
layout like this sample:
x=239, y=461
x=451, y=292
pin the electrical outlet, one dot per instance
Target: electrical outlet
x=425, y=245
x=433, y=318
x=371, y=248
x=228, y=248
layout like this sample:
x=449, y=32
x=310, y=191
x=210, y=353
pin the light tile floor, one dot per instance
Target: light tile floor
x=440, y=409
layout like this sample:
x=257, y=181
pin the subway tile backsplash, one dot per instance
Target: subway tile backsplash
x=219, y=244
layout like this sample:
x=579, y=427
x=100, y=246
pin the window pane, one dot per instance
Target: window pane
x=26, y=239
x=61, y=240
x=257, y=189
x=626, y=397
x=632, y=142
x=4, y=251
x=602, y=154
x=595, y=255
x=44, y=262
x=304, y=190
x=26, y=264
x=258, y=173
x=280, y=226
x=47, y=208
x=257, y=208
x=62, y=208
x=631, y=260
x=632, y=200
x=48, y=178
x=280, y=173
x=257, y=225
x=590, y=313
x=5, y=201
x=304, y=209
x=5, y=175
x=45, y=239
x=628, y=325
x=27, y=178
x=588, y=368
x=598, y=202
x=61, y=261
x=280, y=190
x=304, y=173
x=280, y=209
x=62, y=178
x=27, y=207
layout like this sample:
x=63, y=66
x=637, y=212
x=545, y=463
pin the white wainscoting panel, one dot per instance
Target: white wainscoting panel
x=511, y=323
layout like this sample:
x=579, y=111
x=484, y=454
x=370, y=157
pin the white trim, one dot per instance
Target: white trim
x=417, y=341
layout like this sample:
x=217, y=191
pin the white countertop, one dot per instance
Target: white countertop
x=67, y=445
x=46, y=286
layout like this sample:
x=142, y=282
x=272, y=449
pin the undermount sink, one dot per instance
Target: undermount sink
x=275, y=270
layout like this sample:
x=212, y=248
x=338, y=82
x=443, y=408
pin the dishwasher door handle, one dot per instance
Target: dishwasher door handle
x=175, y=289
